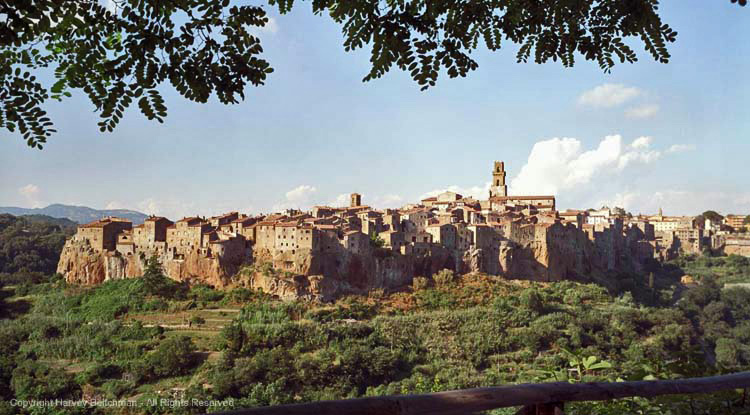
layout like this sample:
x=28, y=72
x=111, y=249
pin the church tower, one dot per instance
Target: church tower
x=498, y=181
x=355, y=199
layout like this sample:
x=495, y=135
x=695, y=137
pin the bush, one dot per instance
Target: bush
x=376, y=293
x=175, y=356
x=34, y=381
x=241, y=295
x=205, y=294
x=444, y=278
x=420, y=283
x=98, y=373
x=197, y=320
x=530, y=299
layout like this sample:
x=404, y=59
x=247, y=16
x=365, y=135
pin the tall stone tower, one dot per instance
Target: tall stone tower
x=356, y=200
x=498, y=187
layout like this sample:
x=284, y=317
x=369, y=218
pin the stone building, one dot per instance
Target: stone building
x=224, y=219
x=102, y=234
x=151, y=236
x=445, y=235
x=189, y=234
x=735, y=221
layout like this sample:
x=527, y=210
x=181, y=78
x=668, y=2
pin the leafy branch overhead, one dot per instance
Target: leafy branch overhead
x=205, y=47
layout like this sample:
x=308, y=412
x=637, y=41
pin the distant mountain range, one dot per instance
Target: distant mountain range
x=80, y=214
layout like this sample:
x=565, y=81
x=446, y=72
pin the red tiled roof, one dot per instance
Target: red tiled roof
x=103, y=222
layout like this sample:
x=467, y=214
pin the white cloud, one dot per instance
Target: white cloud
x=477, y=192
x=387, y=201
x=377, y=202
x=625, y=200
x=680, y=148
x=272, y=26
x=561, y=164
x=340, y=200
x=681, y=202
x=31, y=193
x=642, y=142
x=300, y=197
x=300, y=193
x=642, y=111
x=608, y=95
x=114, y=205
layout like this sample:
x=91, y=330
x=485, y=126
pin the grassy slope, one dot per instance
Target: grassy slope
x=478, y=331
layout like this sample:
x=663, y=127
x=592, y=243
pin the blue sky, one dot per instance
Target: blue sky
x=646, y=135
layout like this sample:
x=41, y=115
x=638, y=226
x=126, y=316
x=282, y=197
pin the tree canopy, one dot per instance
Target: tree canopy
x=713, y=216
x=124, y=54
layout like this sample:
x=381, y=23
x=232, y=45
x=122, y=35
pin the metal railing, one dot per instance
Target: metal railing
x=537, y=399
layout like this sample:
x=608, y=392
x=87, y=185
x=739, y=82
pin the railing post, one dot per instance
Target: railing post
x=556, y=408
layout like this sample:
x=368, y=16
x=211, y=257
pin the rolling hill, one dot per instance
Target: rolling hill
x=79, y=214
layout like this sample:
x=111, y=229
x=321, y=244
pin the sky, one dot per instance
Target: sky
x=645, y=136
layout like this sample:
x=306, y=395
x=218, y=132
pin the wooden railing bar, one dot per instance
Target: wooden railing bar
x=476, y=400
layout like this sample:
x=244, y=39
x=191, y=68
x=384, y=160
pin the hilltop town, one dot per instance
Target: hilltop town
x=330, y=251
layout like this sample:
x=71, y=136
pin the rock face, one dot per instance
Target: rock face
x=553, y=252
x=325, y=276
x=83, y=265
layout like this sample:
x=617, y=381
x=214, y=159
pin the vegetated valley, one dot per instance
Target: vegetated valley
x=149, y=338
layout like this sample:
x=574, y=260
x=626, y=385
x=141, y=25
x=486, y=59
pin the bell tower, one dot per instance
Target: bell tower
x=498, y=188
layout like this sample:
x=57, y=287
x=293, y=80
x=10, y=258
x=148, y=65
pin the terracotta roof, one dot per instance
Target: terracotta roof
x=103, y=222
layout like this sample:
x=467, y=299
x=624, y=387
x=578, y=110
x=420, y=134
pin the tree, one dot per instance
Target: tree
x=154, y=281
x=175, y=356
x=746, y=221
x=713, y=216
x=204, y=47
x=376, y=241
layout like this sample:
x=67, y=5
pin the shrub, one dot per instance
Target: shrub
x=98, y=373
x=444, y=278
x=377, y=293
x=240, y=295
x=531, y=300
x=34, y=381
x=727, y=353
x=117, y=388
x=175, y=356
x=197, y=320
x=420, y=283
x=205, y=294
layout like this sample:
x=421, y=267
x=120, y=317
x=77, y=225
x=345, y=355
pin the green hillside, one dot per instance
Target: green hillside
x=141, y=339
